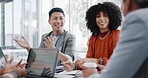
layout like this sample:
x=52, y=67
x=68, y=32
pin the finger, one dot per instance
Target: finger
x=10, y=61
x=23, y=64
x=15, y=40
x=69, y=68
x=23, y=38
x=62, y=63
x=46, y=40
x=66, y=63
x=44, y=68
x=48, y=68
x=66, y=67
x=46, y=44
x=50, y=40
x=19, y=62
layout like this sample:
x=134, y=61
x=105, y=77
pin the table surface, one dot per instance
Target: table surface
x=69, y=74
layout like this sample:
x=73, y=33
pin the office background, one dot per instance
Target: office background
x=29, y=18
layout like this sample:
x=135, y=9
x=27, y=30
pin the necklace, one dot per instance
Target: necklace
x=104, y=36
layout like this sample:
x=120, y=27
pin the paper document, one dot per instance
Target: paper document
x=70, y=72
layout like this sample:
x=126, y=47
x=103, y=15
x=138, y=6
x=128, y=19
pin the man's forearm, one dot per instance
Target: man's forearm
x=62, y=57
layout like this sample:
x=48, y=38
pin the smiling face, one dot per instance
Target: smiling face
x=57, y=21
x=102, y=20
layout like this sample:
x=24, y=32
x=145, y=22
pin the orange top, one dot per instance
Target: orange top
x=98, y=48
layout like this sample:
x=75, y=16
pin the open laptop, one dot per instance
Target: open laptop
x=41, y=63
x=2, y=58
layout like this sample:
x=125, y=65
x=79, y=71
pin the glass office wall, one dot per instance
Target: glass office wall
x=78, y=23
x=46, y=6
x=18, y=18
x=8, y=25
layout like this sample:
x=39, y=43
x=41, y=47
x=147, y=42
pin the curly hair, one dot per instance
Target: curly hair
x=114, y=14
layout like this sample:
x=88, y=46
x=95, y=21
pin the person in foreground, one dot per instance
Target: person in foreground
x=13, y=71
x=57, y=38
x=130, y=57
x=103, y=20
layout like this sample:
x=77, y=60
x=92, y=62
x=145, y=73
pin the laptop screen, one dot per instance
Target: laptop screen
x=2, y=59
x=42, y=62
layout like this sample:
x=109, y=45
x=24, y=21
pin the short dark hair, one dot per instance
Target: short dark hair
x=141, y=3
x=114, y=14
x=56, y=9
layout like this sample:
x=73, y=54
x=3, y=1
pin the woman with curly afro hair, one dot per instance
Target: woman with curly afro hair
x=103, y=21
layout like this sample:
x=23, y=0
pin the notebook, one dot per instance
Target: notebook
x=41, y=63
x=2, y=58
